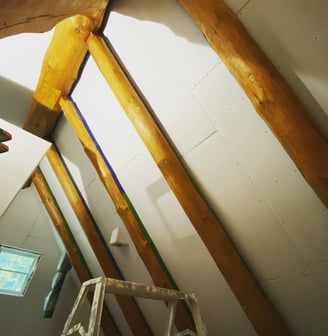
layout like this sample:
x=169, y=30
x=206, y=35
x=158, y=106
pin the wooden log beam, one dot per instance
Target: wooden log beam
x=256, y=306
x=37, y=16
x=81, y=268
x=59, y=71
x=270, y=94
x=128, y=306
x=150, y=258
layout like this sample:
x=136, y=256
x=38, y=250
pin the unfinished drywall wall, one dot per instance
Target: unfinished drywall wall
x=274, y=218
x=268, y=209
x=26, y=225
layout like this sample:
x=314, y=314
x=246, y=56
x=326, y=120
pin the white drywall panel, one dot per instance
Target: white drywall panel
x=81, y=239
x=244, y=213
x=153, y=49
x=148, y=192
x=15, y=101
x=236, y=5
x=30, y=228
x=105, y=117
x=70, y=149
x=175, y=241
x=97, y=271
x=320, y=271
x=19, y=218
x=161, y=29
x=294, y=34
x=258, y=191
x=218, y=320
x=302, y=303
x=266, y=163
x=21, y=57
x=17, y=165
x=106, y=219
x=126, y=257
x=41, y=231
x=60, y=196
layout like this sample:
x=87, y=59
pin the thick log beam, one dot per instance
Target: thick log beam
x=144, y=247
x=128, y=306
x=81, y=268
x=35, y=16
x=59, y=71
x=256, y=306
x=270, y=94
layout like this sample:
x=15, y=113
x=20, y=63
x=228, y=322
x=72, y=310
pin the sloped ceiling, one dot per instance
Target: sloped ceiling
x=272, y=215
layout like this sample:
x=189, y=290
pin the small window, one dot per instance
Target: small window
x=17, y=267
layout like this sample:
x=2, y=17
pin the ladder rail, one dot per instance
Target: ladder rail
x=103, y=285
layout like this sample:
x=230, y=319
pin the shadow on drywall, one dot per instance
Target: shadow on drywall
x=171, y=14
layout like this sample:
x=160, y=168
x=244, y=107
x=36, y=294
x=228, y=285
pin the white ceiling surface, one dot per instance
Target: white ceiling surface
x=25, y=152
x=276, y=221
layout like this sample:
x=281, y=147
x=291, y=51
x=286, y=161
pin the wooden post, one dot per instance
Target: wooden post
x=107, y=323
x=152, y=260
x=270, y=94
x=256, y=306
x=58, y=73
x=128, y=306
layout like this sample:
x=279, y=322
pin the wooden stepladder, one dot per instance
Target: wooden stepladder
x=103, y=285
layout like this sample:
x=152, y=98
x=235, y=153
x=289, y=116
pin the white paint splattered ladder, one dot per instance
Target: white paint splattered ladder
x=104, y=285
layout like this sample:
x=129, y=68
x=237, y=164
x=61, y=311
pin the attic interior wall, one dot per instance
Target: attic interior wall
x=232, y=155
x=25, y=224
x=274, y=218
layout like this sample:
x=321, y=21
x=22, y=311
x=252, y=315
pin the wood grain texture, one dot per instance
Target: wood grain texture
x=143, y=247
x=256, y=306
x=59, y=71
x=269, y=93
x=128, y=306
x=107, y=323
x=37, y=16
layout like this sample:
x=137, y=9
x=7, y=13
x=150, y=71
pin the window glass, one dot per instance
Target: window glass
x=17, y=267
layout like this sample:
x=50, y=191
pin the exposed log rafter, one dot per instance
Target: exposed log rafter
x=59, y=71
x=270, y=94
x=255, y=304
x=107, y=323
x=152, y=261
x=128, y=306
